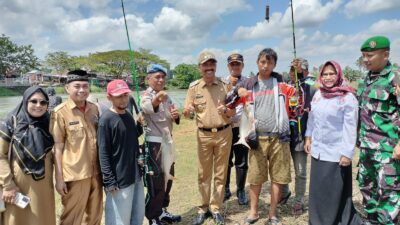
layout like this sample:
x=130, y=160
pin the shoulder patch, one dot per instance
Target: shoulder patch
x=194, y=83
x=222, y=80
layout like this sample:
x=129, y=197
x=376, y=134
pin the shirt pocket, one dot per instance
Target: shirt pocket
x=379, y=100
x=200, y=104
x=390, y=179
x=75, y=133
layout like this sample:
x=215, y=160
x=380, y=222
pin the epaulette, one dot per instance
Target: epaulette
x=60, y=106
x=222, y=80
x=194, y=83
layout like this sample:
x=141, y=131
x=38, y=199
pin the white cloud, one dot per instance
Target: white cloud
x=208, y=7
x=306, y=13
x=386, y=27
x=360, y=7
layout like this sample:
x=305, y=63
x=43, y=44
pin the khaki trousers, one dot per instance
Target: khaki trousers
x=213, y=151
x=84, y=202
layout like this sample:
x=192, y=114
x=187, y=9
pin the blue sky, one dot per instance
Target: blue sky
x=178, y=30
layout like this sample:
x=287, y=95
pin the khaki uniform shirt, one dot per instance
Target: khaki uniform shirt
x=205, y=100
x=77, y=130
x=159, y=120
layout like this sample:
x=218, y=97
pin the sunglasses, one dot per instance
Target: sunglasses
x=41, y=102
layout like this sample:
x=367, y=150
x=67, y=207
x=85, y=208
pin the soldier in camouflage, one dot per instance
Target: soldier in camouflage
x=379, y=172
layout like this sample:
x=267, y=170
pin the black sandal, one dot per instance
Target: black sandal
x=249, y=221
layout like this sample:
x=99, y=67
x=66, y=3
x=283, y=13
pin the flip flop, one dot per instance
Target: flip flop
x=249, y=221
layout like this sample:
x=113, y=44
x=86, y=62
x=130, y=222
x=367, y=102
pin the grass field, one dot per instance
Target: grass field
x=185, y=195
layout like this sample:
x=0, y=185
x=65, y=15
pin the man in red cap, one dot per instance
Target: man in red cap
x=117, y=139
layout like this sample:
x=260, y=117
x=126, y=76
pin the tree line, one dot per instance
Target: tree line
x=19, y=59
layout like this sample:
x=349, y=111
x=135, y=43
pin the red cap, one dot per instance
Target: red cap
x=117, y=88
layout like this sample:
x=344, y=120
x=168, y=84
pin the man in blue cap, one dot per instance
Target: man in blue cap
x=379, y=141
x=160, y=114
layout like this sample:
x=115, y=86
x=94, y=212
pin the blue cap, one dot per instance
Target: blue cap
x=153, y=68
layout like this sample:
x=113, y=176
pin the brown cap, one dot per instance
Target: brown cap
x=205, y=56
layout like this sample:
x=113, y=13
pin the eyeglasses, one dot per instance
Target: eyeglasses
x=41, y=102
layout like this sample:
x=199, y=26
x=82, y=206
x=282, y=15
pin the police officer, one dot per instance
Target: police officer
x=205, y=97
x=160, y=114
x=235, y=66
x=379, y=172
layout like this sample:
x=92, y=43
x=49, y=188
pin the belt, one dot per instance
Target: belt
x=154, y=139
x=214, y=130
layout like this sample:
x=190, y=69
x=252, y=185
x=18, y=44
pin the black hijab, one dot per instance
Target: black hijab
x=31, y=137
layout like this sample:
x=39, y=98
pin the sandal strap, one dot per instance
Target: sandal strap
x=274, y=221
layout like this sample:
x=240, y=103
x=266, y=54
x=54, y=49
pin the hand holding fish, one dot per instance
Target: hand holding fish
x=161, y=96
x=242, y=92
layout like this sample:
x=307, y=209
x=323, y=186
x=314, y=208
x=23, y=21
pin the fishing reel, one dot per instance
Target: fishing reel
x=293, y=101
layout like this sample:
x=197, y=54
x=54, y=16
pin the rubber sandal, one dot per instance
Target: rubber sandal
x=249, y=221
x=274, y=221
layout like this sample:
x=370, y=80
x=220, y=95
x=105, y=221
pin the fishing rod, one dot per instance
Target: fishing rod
x=294, y=100
x=144, y=159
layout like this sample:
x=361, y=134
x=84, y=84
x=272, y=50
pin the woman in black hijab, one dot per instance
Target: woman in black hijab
x=26, y=161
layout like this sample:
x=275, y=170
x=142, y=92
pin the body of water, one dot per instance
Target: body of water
x=9, y=103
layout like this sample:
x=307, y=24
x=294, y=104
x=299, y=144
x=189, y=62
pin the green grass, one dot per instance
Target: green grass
x=185, y=195
x=4, y=92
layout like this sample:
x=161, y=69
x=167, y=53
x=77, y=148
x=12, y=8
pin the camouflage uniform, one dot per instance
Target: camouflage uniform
x=379, y=172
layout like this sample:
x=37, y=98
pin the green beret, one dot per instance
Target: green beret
x=375, y=43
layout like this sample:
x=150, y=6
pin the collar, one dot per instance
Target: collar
x=202, y=83
x=151, y=90
x=386, y=70
x=71, y=104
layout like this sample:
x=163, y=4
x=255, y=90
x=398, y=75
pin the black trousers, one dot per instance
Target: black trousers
x=240, y=152
x=330, y=200
x=157, y=195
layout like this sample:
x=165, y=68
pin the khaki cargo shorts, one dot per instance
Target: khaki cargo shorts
x=270, y=156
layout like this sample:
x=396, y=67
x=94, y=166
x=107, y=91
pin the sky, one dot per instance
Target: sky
x=178, y=30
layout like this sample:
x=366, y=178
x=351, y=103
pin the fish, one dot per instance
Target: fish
x=168, y=156
x=247, y=124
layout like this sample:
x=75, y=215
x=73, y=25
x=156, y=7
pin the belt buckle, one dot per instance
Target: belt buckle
x=214, y=130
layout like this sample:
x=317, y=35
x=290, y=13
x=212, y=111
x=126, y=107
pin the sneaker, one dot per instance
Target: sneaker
x=168, y=217
x=156, y=222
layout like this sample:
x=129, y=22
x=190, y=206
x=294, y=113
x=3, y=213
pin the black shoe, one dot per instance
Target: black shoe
x=227, y=194
x=218, y=218
x=156, y=222
x=242, y=199
x=200, y=218
x=284, y=199
x=168, y=217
